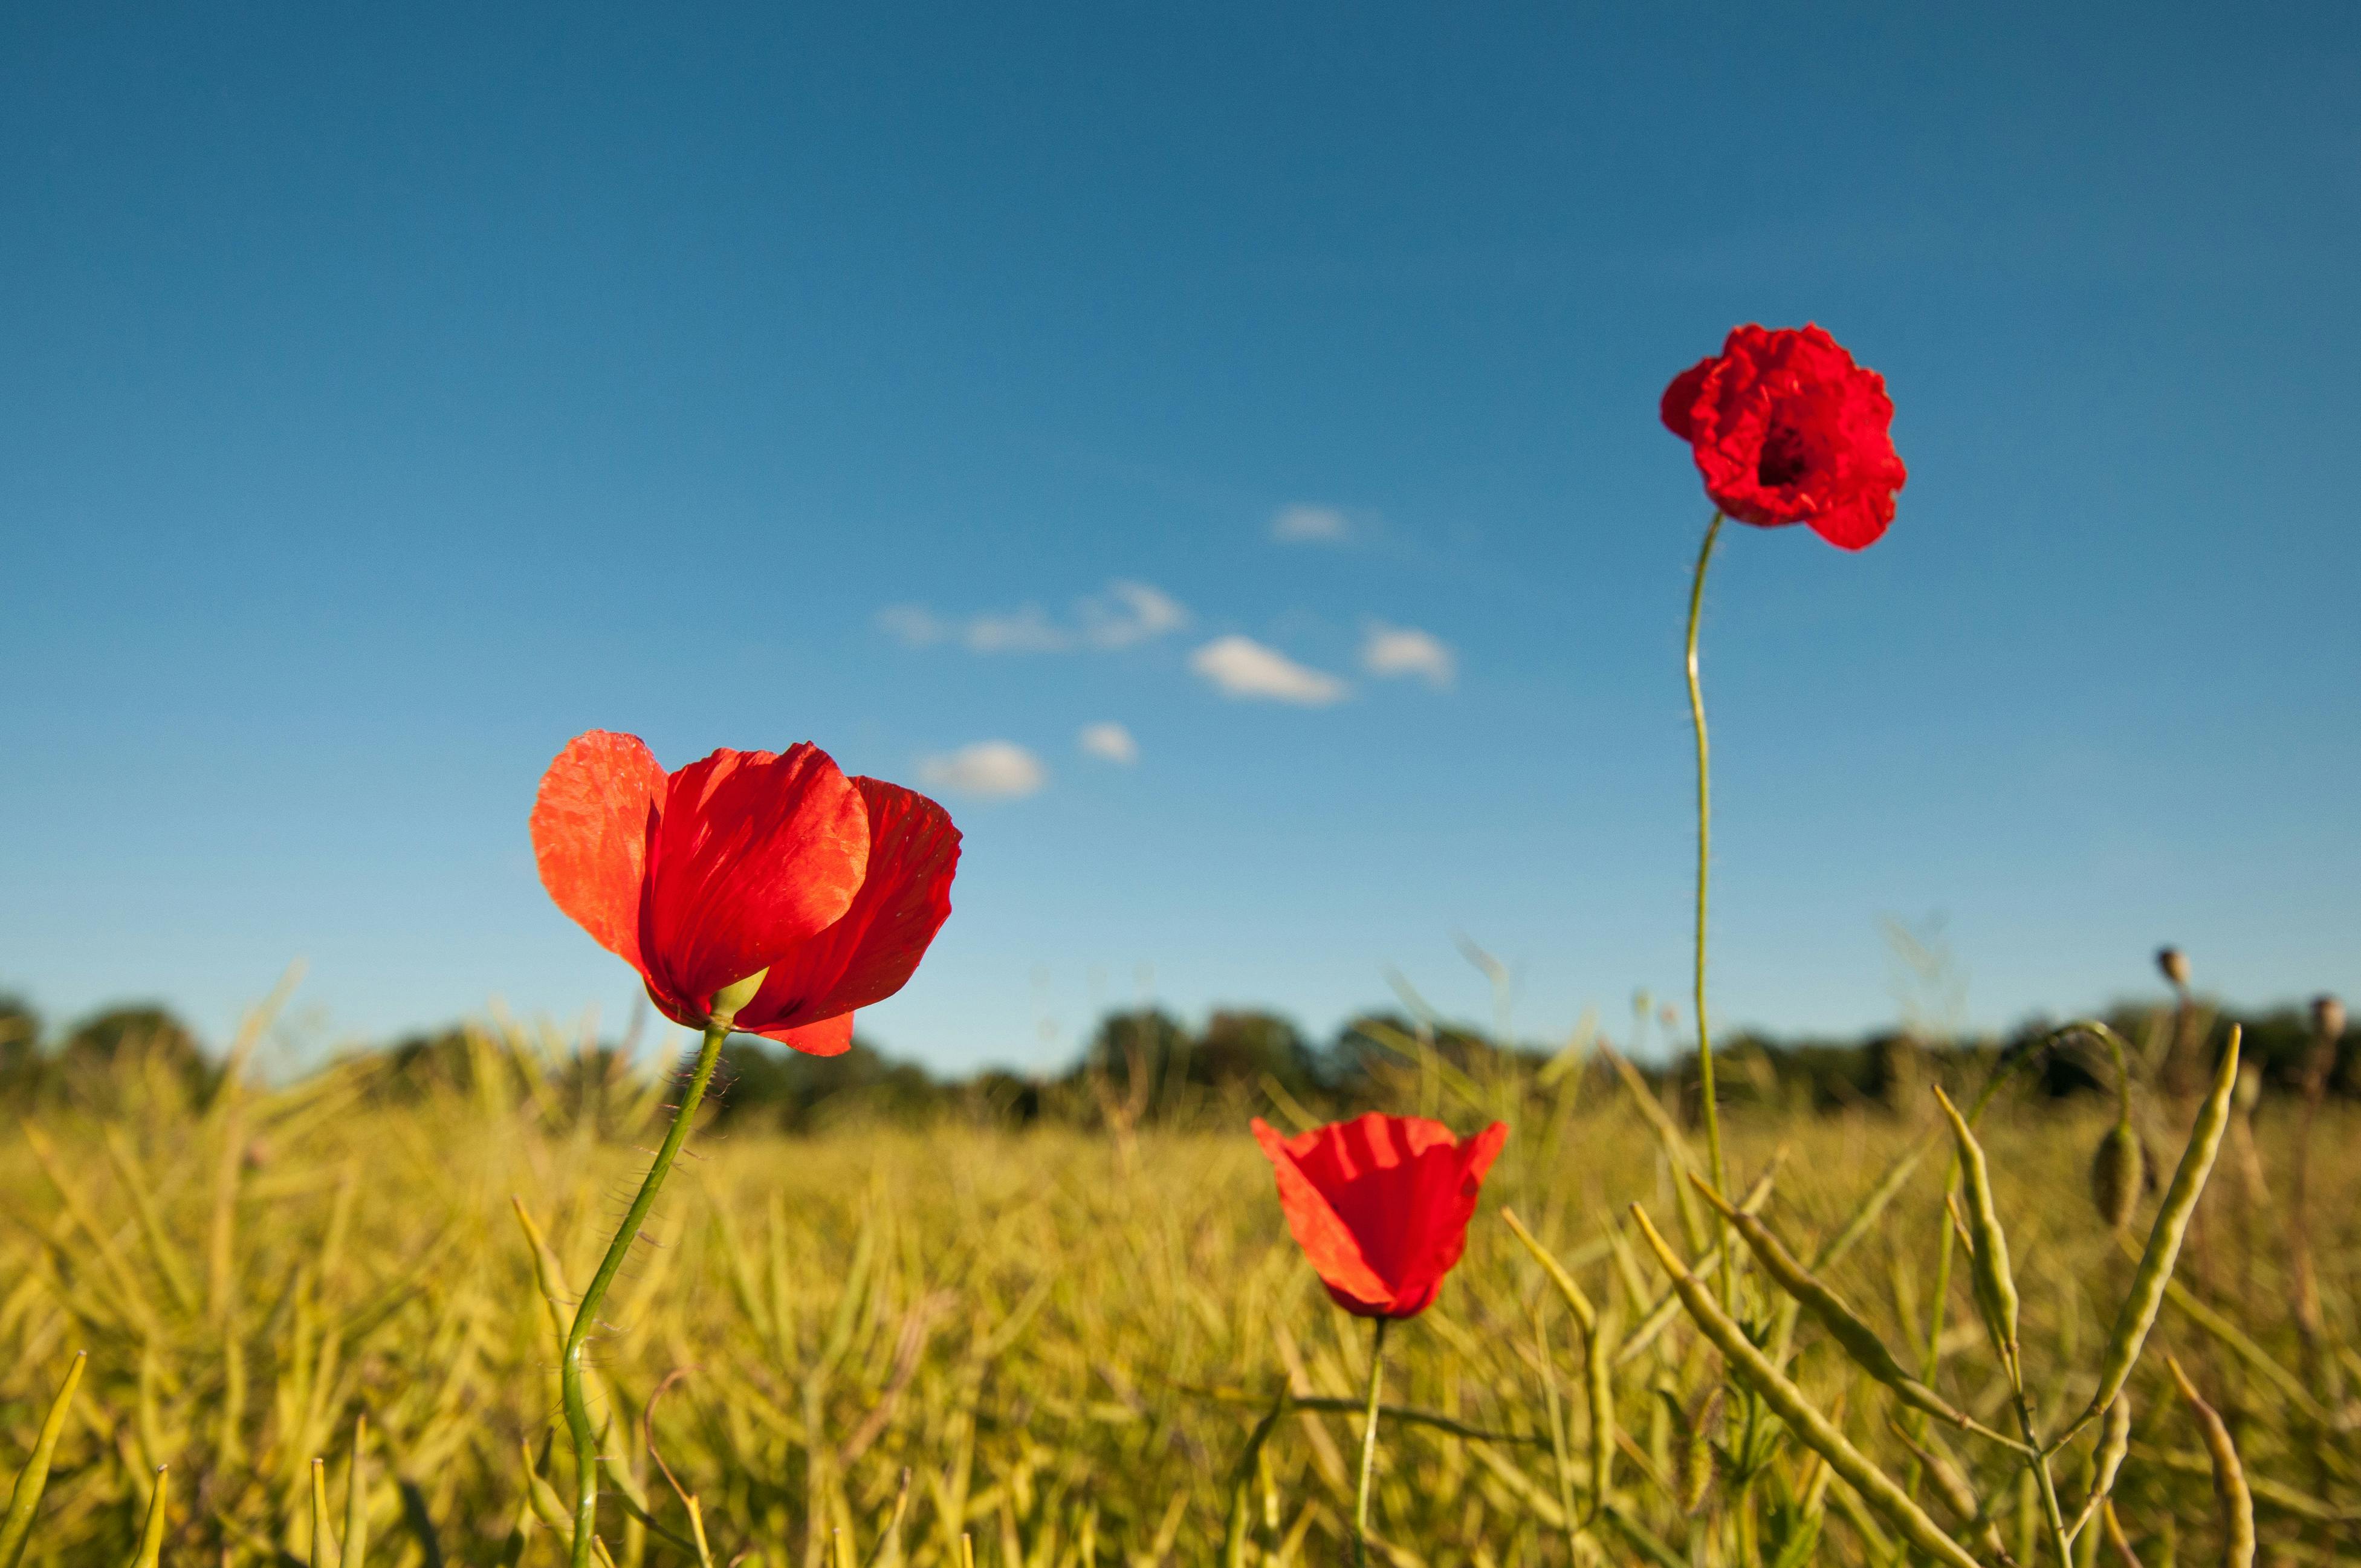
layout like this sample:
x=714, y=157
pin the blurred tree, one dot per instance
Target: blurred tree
x=104, y=1053
x=1138, y=1056
x=760, y=1083
x=21, y=1048
x=1243, y=1048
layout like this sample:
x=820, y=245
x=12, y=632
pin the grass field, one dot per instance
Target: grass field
x=1058, y=1344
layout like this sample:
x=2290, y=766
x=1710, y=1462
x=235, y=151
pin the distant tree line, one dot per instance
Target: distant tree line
x=90, y=1061
x=1145, y=1066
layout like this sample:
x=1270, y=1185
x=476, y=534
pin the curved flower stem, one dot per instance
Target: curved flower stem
x=577, y=1412
x=1705, y=848
x=1369, y=1446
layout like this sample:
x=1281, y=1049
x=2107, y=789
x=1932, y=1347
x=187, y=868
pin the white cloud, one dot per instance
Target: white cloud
x=1305, y=523
x=1027, y=632
x=1406, y=651
x=1243, y=668
x=1109, y=742
x=913, y=625
x=1122, y=615
x=992, y=770
x=1128, y=613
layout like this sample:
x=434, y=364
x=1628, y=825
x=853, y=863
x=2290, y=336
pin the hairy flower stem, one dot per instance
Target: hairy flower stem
x=1710, y=1111
x=577, y=1412
x=1368, y=1447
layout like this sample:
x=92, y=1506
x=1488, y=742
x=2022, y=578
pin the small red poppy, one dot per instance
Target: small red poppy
x=747, y=863
x=1381, y=1204
x=1786, y=428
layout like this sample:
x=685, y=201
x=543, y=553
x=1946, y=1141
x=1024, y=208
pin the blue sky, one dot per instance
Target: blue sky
x=387, y=395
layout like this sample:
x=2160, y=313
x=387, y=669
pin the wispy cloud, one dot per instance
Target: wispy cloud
x=990, y=770
x=1397, y=651
x=1121, y=615
x=1027, y=631
x=1307, y=523
x=1242, y=667
x=912, y=625
x=1109, y=742
x=1128, y=613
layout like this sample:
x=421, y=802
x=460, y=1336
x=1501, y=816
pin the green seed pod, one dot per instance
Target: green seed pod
x=151, y=1538
x=1815, y=1432
x=2117, y=1170
x=34, y=1477
x=1598, y=1385
x=1994, y=1286
x=1850, y=1331
x=2230, y=1486
x=2146, y=1296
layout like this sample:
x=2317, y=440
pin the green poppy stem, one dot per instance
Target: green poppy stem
x=1705, y=857
x=1369, y=1446
x=577, y=1412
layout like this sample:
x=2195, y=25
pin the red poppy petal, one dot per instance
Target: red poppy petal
x=1678, y=409
x=1439, y=1200
x=1332, y=1249
x=755, y=853
x=826, y=1037
x=1854, y=527
x=590, y=823
x=1786, y=427
x=1392, y=1181
x=686, y=1014
x=1477, y=1155
x=903, y=900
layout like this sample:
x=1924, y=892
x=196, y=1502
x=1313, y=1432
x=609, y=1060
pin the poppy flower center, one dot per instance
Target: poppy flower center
x=1787, y=457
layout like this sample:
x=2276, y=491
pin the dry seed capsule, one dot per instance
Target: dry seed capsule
x=2249, y=1093
x=2175, y=965
x=2116, y=1169
x=2328, y=1018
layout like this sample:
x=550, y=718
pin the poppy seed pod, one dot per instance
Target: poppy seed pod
x=2175, y=965
x=2328, y=1018
x=2116, y=1169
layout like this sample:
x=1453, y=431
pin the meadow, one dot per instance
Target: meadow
x=333, y=1310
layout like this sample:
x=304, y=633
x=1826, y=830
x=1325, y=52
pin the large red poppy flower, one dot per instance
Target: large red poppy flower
x=747, y=863
x=1381, y=1204
x=1786, y=429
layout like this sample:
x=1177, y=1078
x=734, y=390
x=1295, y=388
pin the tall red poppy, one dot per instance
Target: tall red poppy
x=1381, y=1204
x=1785, y=428
x=745, y=863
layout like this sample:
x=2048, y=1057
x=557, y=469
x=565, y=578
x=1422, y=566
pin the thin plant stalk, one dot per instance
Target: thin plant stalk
x=577, y=1409
x=1704, y=860
x=1368, y=1445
